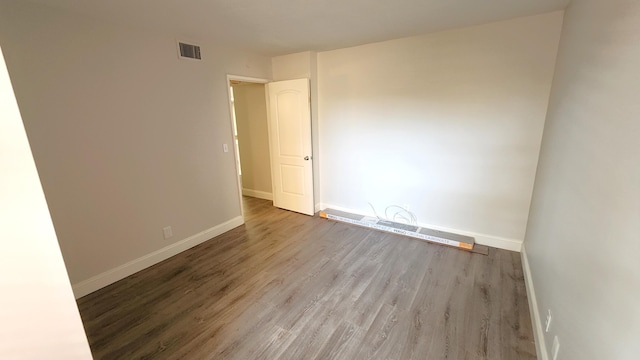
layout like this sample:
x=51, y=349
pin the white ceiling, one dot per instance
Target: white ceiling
x=277, y=27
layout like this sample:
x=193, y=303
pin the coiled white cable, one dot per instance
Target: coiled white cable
x=397, y=213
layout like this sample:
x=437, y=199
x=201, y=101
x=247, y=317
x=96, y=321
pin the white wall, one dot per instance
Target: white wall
x=253, y=138
x=582, y=240
x=127, y=138
x=39, y=318
x=448, y=123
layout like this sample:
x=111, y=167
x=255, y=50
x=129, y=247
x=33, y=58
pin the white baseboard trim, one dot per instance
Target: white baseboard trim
x=482, y=239
x=257, y=194
x=536, y=321
x=110, y=276
x=488, y=240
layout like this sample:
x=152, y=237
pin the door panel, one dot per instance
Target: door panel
x=289, y=126
x=290, y=142
x=292, y=179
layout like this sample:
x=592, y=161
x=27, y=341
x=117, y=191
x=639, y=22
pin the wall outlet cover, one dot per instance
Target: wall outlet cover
x=167, y=231
x=547, y=323
x=555, y=348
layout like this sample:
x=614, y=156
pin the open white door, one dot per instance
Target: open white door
x=290, y=143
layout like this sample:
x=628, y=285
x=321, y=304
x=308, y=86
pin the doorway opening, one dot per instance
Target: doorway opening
x=271, y=127
x=248, y=108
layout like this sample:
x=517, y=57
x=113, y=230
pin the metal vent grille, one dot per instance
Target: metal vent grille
x=189, y=51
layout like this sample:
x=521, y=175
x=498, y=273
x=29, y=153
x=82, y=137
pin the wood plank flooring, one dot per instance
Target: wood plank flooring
x=289, y=286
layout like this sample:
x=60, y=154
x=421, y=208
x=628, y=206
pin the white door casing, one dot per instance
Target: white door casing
x=290, y=144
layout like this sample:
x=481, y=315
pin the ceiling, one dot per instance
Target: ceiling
x=277, y=27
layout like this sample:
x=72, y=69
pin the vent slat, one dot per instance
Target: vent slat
x=190, y=51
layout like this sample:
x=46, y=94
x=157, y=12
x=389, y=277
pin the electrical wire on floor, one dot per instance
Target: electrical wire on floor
x=397, y=213
x=374, y=211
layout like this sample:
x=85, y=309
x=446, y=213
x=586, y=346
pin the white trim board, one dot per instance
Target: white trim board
x=247, y=79
x=482, y=239
x=110, y=276
x=257, y=194
x=536, y=321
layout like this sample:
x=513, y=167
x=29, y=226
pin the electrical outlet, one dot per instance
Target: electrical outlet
x=225, y=147
x=547, y=324
x=555, y=348
x=168, y=232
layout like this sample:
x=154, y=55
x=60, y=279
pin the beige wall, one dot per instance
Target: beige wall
x=292, y=66
x=582, y=240
x=448, y=123
x=39, y=318
x=253, y=138
x=127, y=138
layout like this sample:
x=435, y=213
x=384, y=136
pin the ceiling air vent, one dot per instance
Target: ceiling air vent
x=188, y=51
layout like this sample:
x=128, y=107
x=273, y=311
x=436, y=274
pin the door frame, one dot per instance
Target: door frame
x=236, y=151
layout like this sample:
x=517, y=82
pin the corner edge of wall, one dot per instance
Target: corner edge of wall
x=536, y=322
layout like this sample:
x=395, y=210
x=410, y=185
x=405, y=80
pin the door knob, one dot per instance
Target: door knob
x=306, y=157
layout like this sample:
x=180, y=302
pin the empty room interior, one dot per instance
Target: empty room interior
x=274, y=179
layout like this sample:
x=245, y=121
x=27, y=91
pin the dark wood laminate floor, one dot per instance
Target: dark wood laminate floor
x=288, y=286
